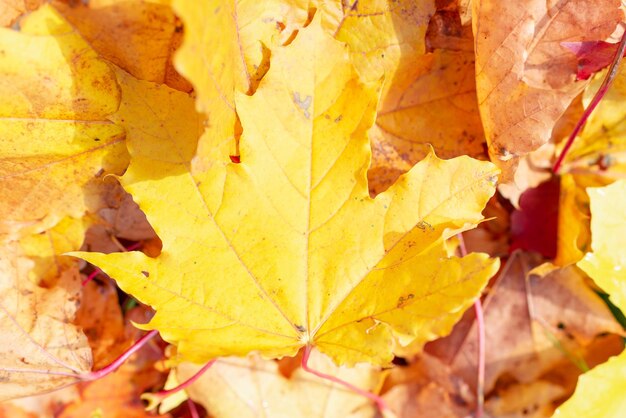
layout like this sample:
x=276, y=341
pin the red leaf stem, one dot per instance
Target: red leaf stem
x=606, y=84
x=380, y=403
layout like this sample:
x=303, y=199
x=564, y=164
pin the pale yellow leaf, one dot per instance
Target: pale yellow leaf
x=253, y=387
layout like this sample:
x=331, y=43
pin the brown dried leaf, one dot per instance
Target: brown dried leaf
x=525, y=316
x=100, y=318
x=525, y=79
x=530, y=400
x=428, y=99
x=137, y=35
x=41, y=349
x=427, y=389
x=434, y=105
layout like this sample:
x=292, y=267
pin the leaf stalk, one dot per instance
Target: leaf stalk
x=604, y=88
x=380, y=402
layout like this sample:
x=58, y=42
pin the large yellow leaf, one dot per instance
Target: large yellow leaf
x=55, y=94
x=295, y=252
x=599, y=392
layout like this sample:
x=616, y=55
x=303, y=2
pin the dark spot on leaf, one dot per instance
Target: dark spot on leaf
x=300, y=328
x=402, y=301
x=423, y=225
x=97, y=139
x=145, y=273
x=400, y=361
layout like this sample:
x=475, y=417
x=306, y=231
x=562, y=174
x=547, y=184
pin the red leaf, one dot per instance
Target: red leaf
x=593, y=56
x=534, y=226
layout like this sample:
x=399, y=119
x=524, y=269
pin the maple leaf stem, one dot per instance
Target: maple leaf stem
x=380, y=403
x=165, y=393
x=134, y=246
x=91, y=276
x=154, y=399
x=480, y=327
x=193, y=410
x=480, y=380
x=606, y=84
x=121, y=359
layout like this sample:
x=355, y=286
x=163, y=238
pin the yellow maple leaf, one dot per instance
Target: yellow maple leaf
x=599, y=392
x=294, y=252
x=573, y=227
x=55, y=93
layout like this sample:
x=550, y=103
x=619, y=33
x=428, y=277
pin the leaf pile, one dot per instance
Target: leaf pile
x=255, y=180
